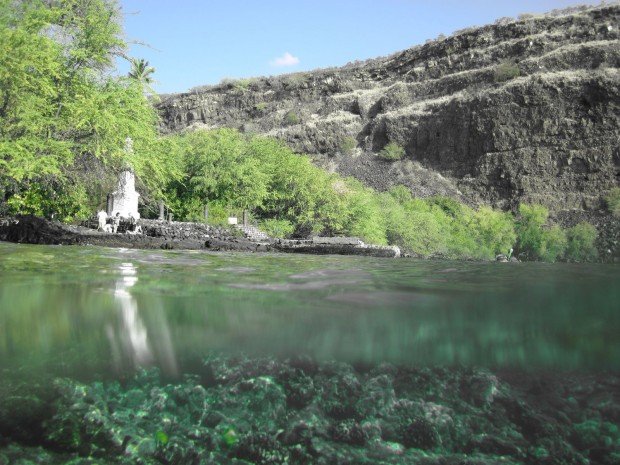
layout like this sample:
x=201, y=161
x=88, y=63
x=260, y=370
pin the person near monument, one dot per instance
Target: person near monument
x=102, y=218
x=116, y=221
x=134, y=227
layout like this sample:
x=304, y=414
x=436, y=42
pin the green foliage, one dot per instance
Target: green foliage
x=363, y=213
x=219, y=166
x=63, y=119
x=450, y=207
x=230, y=437
x=555, y=243
x=495, y=231
x=444, y=227
x=506, y=71
x=529, y=226
x=161, y=438
x=347, y=145
x=613, y=201
x=412, y=225
x=260, y=106
x=277, y=228
x=539, y=241
x=535, y=240
x=65, y=202
x=142, y=73
x=218, y=214
x=581, y=240
x=291, y=197
x=291, y=118
x=392, y=152
x=242, y=85
x=295, y=80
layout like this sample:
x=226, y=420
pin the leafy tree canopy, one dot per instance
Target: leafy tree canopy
x=63, y=119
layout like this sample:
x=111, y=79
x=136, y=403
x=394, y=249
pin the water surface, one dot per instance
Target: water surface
x=86, y=311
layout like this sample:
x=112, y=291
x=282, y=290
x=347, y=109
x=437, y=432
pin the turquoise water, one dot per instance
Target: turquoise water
x=84, y=312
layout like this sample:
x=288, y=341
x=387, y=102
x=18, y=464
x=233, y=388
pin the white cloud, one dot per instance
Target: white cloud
x=285, y=60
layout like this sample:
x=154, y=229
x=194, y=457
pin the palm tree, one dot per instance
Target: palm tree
x=141, y=71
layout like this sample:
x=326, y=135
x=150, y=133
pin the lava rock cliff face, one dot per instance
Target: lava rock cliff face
x=520, y=111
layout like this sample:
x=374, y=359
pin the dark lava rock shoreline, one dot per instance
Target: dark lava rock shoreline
x=160, y=234
x=299, y=411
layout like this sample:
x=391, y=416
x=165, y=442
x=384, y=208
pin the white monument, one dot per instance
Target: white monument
x=125, y=198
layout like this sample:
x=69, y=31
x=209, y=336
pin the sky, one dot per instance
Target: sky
x=192, y=42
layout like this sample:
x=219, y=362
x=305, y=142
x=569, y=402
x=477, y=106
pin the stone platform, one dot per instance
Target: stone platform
x=159, y=234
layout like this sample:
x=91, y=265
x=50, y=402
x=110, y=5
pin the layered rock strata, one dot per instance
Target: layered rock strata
x=523, y=110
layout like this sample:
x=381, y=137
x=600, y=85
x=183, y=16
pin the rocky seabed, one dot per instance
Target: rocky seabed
x=298, y=411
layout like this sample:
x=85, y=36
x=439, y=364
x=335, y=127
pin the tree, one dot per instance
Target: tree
x=63, y=119
x=142, y=72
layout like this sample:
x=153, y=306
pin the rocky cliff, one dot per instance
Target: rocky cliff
x=522, y=110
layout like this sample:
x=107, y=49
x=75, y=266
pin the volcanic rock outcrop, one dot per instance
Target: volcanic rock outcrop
x=523, y=110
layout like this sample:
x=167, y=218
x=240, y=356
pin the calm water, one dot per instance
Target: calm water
x=96, y=311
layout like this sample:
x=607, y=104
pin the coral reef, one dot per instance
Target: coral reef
x=299, y=411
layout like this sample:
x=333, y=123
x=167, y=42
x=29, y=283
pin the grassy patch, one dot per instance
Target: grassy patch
x=291, y=118
x=392, y=152
x=347, y=145
x=613, y=201
x=506, y=71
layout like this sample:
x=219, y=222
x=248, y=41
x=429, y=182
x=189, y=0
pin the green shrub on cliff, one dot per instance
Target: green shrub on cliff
x=554, y=244
x=347, y=145
x=581, y=243
x=291, y=118
x=363, y=212
x=506, y=71
x=495, y=231
x=444, y=227
x=260, y=107
x=392, y=152
x=613, y=201
x=536, y=240
x=242, y=85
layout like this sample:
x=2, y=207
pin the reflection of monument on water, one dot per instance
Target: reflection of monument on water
x=129, y=340
x=133, y=337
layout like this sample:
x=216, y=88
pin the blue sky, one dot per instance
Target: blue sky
x=193, y=42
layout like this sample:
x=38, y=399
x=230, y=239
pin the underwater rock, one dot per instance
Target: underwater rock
x=340, y=391
x=265, y=411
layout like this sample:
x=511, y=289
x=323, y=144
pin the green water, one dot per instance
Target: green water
x=80, y=311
